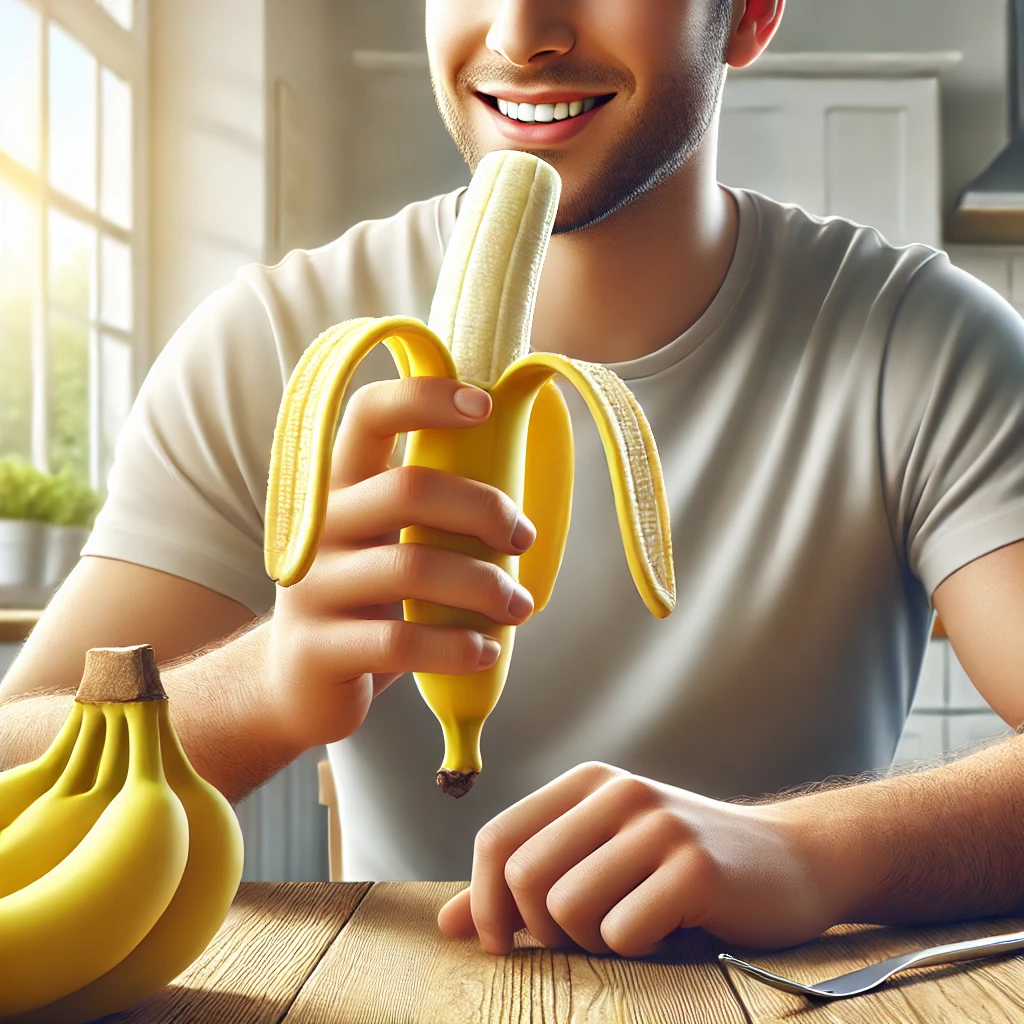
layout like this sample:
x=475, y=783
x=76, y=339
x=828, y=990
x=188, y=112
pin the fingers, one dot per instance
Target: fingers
x=559, y=903
x=580, y=900
x=377, y=413
x=391, y=573
x=490, y=893
x=667, y=899
x=352, y=647
x=455, y=918
x=416, y=495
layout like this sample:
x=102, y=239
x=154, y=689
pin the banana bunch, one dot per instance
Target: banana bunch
x=478, y=332
x=117, y=861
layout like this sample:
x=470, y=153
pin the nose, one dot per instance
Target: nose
x=524, y=30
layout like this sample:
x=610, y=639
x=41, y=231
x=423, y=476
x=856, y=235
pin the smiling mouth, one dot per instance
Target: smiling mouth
x=542, y=113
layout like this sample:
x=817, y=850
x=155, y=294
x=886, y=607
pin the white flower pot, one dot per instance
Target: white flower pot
x=61, y=549
x=21, y=552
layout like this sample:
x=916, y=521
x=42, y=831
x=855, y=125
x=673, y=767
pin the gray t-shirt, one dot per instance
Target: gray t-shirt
x=841, y=430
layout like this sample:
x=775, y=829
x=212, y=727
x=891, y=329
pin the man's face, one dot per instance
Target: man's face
x=648, y=74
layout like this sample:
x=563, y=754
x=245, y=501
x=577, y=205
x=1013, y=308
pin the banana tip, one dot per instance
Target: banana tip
x=455, y=783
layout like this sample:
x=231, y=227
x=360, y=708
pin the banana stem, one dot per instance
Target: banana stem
x=120, y=675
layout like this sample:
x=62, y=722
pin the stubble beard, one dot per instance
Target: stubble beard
x=654, y=145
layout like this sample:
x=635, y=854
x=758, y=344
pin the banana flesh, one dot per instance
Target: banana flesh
x=114, y=878
x=478, y=332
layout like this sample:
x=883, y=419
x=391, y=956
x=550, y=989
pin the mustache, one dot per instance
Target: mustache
x=584, y=76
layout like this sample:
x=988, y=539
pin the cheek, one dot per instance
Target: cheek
x=454, y=29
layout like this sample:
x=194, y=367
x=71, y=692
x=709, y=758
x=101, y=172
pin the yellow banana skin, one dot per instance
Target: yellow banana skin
x=24, y=784
x=52, y=826
x=78, y=920
x=197, y=909
x=483, y=306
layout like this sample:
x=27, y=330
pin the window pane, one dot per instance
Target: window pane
x=116, y=391
x=120, y=11
x=20, y=50
x=72, y=265
x=116, y=283
x=72, y=118
x=69, y=395
x=116, y=187
x=19, y=264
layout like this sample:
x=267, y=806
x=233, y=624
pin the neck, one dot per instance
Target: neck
x=634, y=282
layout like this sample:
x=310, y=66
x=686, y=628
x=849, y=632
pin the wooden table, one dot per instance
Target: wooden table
x=322, y=952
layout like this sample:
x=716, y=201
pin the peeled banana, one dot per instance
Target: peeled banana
x=478, y=332
x=114, y=877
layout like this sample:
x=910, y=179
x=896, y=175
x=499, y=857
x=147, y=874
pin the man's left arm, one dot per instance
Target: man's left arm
x=614, y=862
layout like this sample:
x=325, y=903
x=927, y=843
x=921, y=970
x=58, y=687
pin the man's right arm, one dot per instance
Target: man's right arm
x=212, y=655
x=305, y=676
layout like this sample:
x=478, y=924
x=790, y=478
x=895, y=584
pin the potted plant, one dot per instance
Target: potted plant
x=70, y=515
x=25, y=505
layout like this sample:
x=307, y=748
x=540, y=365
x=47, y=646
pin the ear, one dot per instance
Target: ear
x=753, y=32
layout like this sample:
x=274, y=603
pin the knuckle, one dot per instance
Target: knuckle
x=560, y=904
x=521, y=873
x=666, y=829
x=412, y=485
x=368, y=398
x=617, y=933
x=398, y=639
x=594, y=772
x=489, y=843
x=413, y=562
x=631, y=791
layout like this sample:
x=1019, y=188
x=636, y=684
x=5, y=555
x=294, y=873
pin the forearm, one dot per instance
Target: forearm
x=944, y=844
x=216, y=706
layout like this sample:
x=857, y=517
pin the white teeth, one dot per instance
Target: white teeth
x=529, y=113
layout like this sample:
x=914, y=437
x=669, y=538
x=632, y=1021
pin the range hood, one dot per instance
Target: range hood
x=991, y=208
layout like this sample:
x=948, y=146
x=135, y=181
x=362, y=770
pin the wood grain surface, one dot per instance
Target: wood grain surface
x=391, y=965
x=274, y=936
x=354, y=953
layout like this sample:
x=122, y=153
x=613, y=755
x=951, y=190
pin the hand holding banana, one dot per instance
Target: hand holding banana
x=478, y=334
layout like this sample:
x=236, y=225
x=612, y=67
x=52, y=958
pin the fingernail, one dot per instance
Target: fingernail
x=472, y=402
x=489, y=652
x=524, y=534
x=520, y=604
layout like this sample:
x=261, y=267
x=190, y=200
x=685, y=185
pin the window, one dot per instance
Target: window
x=71, y=248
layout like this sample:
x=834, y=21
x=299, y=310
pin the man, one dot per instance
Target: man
x=841, y=425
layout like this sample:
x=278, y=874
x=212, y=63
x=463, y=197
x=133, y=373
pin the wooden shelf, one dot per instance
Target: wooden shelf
x=17, y=623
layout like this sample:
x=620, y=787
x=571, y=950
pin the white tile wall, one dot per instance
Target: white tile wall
x=948, y=711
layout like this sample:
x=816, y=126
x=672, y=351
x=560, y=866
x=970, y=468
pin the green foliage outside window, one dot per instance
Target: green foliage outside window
x=61, y=499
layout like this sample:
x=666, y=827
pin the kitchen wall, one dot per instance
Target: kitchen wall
x=975, y=114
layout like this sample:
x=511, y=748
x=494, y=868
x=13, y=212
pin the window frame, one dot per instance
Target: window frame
x=125, y=53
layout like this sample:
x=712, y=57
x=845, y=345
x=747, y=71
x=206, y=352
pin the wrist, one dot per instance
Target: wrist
x=842, y=835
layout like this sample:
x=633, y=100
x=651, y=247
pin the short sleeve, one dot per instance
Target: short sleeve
x=188, y=483
x=952, y=422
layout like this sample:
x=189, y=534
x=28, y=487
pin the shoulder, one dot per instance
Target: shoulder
x=376, y=268
x=825, y=253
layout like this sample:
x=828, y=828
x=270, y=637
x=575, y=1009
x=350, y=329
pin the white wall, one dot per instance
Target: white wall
x=974, y=97
x=208, y=163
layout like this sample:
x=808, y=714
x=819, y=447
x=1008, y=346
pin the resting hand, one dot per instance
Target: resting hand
x=613, y=862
